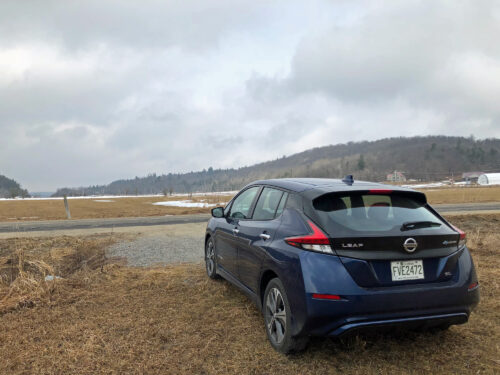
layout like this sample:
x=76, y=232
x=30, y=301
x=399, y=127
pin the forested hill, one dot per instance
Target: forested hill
x=422, y=158
x=11, y=189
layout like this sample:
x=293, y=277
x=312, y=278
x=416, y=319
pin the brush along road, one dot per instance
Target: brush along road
x=53, y=225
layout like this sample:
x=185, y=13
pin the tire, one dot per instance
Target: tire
x=278, y=317
x=211, y=259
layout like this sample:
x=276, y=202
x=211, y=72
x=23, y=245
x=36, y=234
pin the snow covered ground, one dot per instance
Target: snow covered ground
x=435, y=185
x=420, y=186
x=186, y=203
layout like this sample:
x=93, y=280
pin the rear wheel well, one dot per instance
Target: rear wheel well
x=266, y=277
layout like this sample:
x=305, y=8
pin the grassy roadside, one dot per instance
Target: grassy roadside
x=115, y=319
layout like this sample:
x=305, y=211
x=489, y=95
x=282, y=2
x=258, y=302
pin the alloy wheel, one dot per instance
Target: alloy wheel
x=210, y=258
x=275, y=315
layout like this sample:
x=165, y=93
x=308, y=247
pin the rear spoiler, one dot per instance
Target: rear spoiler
x=417, y=195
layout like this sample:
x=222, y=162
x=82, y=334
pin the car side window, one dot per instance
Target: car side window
x=294, y=201
x=240, y=209
x=281, y=206
x=267, y=204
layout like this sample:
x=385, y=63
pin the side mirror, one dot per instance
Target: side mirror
x=218, y=212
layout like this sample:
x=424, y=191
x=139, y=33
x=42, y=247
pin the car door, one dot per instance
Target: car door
x=257, y=234
x=226, y=235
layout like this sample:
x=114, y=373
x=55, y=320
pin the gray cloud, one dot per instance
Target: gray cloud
x=150, y=24
x=95, y=91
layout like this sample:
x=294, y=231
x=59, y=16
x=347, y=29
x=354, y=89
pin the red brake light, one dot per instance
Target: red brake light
x=316, y=241
x=326, y=296
x=460, y=231
x=463, y=236
x=380, y=191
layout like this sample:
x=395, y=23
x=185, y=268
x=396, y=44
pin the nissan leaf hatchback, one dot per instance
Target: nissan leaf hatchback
x=324, y=257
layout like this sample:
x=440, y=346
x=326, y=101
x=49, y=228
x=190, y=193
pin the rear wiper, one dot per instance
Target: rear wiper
x=409, y=225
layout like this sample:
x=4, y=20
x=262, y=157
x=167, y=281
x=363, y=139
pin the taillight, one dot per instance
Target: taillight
x=463, y=237
x=316, y=241
x=473, y=286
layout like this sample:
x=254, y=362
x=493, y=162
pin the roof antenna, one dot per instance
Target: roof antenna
x=349, y=180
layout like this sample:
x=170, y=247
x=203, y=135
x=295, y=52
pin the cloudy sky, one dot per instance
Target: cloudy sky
x=92, y=91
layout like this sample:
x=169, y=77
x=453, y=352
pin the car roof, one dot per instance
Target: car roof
x=325, y=185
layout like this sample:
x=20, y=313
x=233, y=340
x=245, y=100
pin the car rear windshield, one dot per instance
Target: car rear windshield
x=357, y=214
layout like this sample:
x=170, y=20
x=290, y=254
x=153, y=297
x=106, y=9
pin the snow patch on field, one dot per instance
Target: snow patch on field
x=420, y=186
x=436, y=185
x=103, y=200
x=185, y=203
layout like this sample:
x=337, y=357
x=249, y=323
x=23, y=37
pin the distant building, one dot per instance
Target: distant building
x=489, y=179
x=396, y=176
x=471, y=176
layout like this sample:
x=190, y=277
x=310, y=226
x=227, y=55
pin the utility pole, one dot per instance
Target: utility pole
x=66, y=205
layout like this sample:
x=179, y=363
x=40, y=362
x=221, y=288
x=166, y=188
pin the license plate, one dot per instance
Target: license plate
x=407, y=270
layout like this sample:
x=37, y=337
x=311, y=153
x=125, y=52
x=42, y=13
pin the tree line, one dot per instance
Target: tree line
x=430, y=158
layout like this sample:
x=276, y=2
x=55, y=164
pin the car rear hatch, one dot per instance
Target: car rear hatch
x=388, y=238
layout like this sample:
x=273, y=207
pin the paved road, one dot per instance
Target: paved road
x=30, y=226
x=51, y=225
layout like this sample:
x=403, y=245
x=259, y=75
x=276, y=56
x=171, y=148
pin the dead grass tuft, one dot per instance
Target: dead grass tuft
x=25, y=264
x=23, y=281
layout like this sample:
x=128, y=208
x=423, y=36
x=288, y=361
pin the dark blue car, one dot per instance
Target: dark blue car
x=323, y=257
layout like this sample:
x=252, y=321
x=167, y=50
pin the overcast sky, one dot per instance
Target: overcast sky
x=92, y=91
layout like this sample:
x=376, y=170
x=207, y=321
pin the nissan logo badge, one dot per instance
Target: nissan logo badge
x=410, y=245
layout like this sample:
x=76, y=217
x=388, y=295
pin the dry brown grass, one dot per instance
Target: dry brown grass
x=89, y=208
x=24, y=264
x=476, y=194
x=175, y=320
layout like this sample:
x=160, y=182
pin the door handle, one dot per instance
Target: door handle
x=236, y=231
x=264, y=236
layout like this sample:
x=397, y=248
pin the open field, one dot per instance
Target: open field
x=26, y=210
x=53, y=209
x=476, y=194
x=108, y=318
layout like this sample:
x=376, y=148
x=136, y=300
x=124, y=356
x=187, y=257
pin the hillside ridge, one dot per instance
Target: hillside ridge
x=422, y=158
x=10, y=188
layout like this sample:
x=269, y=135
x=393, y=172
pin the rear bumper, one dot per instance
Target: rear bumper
x=414, y=305
x=409, y=322
x=333, y=318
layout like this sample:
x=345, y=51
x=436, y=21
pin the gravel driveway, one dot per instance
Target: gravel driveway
x=165, y=245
